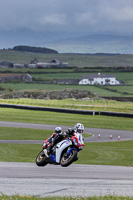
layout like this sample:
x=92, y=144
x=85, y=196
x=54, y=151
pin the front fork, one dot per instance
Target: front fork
x=70, y=149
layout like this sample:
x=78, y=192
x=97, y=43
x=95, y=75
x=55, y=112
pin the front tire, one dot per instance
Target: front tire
x=66, y=160
x=41, y=159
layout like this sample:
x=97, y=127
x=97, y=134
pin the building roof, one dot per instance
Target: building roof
x=99, y=75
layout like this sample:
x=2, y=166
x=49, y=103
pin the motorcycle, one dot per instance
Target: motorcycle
x=63, y=153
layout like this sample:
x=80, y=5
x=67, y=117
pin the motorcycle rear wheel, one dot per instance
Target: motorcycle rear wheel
x=41, y=159
x=67, y=160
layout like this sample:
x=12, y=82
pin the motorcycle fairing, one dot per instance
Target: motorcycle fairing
x=79, y=139
x=60, y=147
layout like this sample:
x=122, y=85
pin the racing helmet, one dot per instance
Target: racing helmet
x=79, y=128
x=58, y=130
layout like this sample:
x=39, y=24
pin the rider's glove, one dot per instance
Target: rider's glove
x=70, y=131
x=64, y=134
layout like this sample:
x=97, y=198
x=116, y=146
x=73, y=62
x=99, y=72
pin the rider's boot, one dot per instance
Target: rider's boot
x=47, y=151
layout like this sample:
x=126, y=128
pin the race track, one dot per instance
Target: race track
x=104, y=133
x=75, y=180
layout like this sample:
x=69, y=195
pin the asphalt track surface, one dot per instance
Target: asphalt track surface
x=75, y=180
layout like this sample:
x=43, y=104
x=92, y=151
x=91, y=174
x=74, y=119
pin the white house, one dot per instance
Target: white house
x=101, y=79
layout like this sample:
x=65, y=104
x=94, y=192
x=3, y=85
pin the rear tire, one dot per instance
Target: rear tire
x=67, y=160
x=41, y=159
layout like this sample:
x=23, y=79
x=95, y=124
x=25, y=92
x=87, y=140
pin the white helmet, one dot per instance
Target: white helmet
x=58, y=130
x=79, y=128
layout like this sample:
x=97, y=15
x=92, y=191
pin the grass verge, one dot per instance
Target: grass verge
x=7, y=133
x=43, y=117
x=21, y=197
x=11, y=133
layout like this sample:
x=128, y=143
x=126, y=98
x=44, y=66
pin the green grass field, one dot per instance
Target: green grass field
x=21, y=197
x=44, y=117
x=10, y=133
x=125, y=76
x=79, y=60
x=123, y=91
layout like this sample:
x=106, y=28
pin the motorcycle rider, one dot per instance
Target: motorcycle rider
x=77, y=131
x=58, y=135
x=52, y=140
x=78, y=128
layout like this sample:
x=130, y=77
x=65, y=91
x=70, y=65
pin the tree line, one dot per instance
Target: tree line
x=34, y=49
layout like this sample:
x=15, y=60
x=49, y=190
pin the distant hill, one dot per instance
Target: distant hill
x=34, y=49
x=68, y=42
x=95, y=44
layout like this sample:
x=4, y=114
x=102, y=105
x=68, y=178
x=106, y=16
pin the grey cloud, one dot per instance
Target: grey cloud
x=70, y=15
x=54, y=19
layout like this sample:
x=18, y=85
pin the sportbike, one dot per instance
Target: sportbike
x=63, y=153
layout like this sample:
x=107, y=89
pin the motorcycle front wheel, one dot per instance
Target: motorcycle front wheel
x=66, y=159
x=41, y=159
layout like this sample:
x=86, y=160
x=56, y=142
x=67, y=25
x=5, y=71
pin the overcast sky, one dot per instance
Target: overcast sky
x=88, y=16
